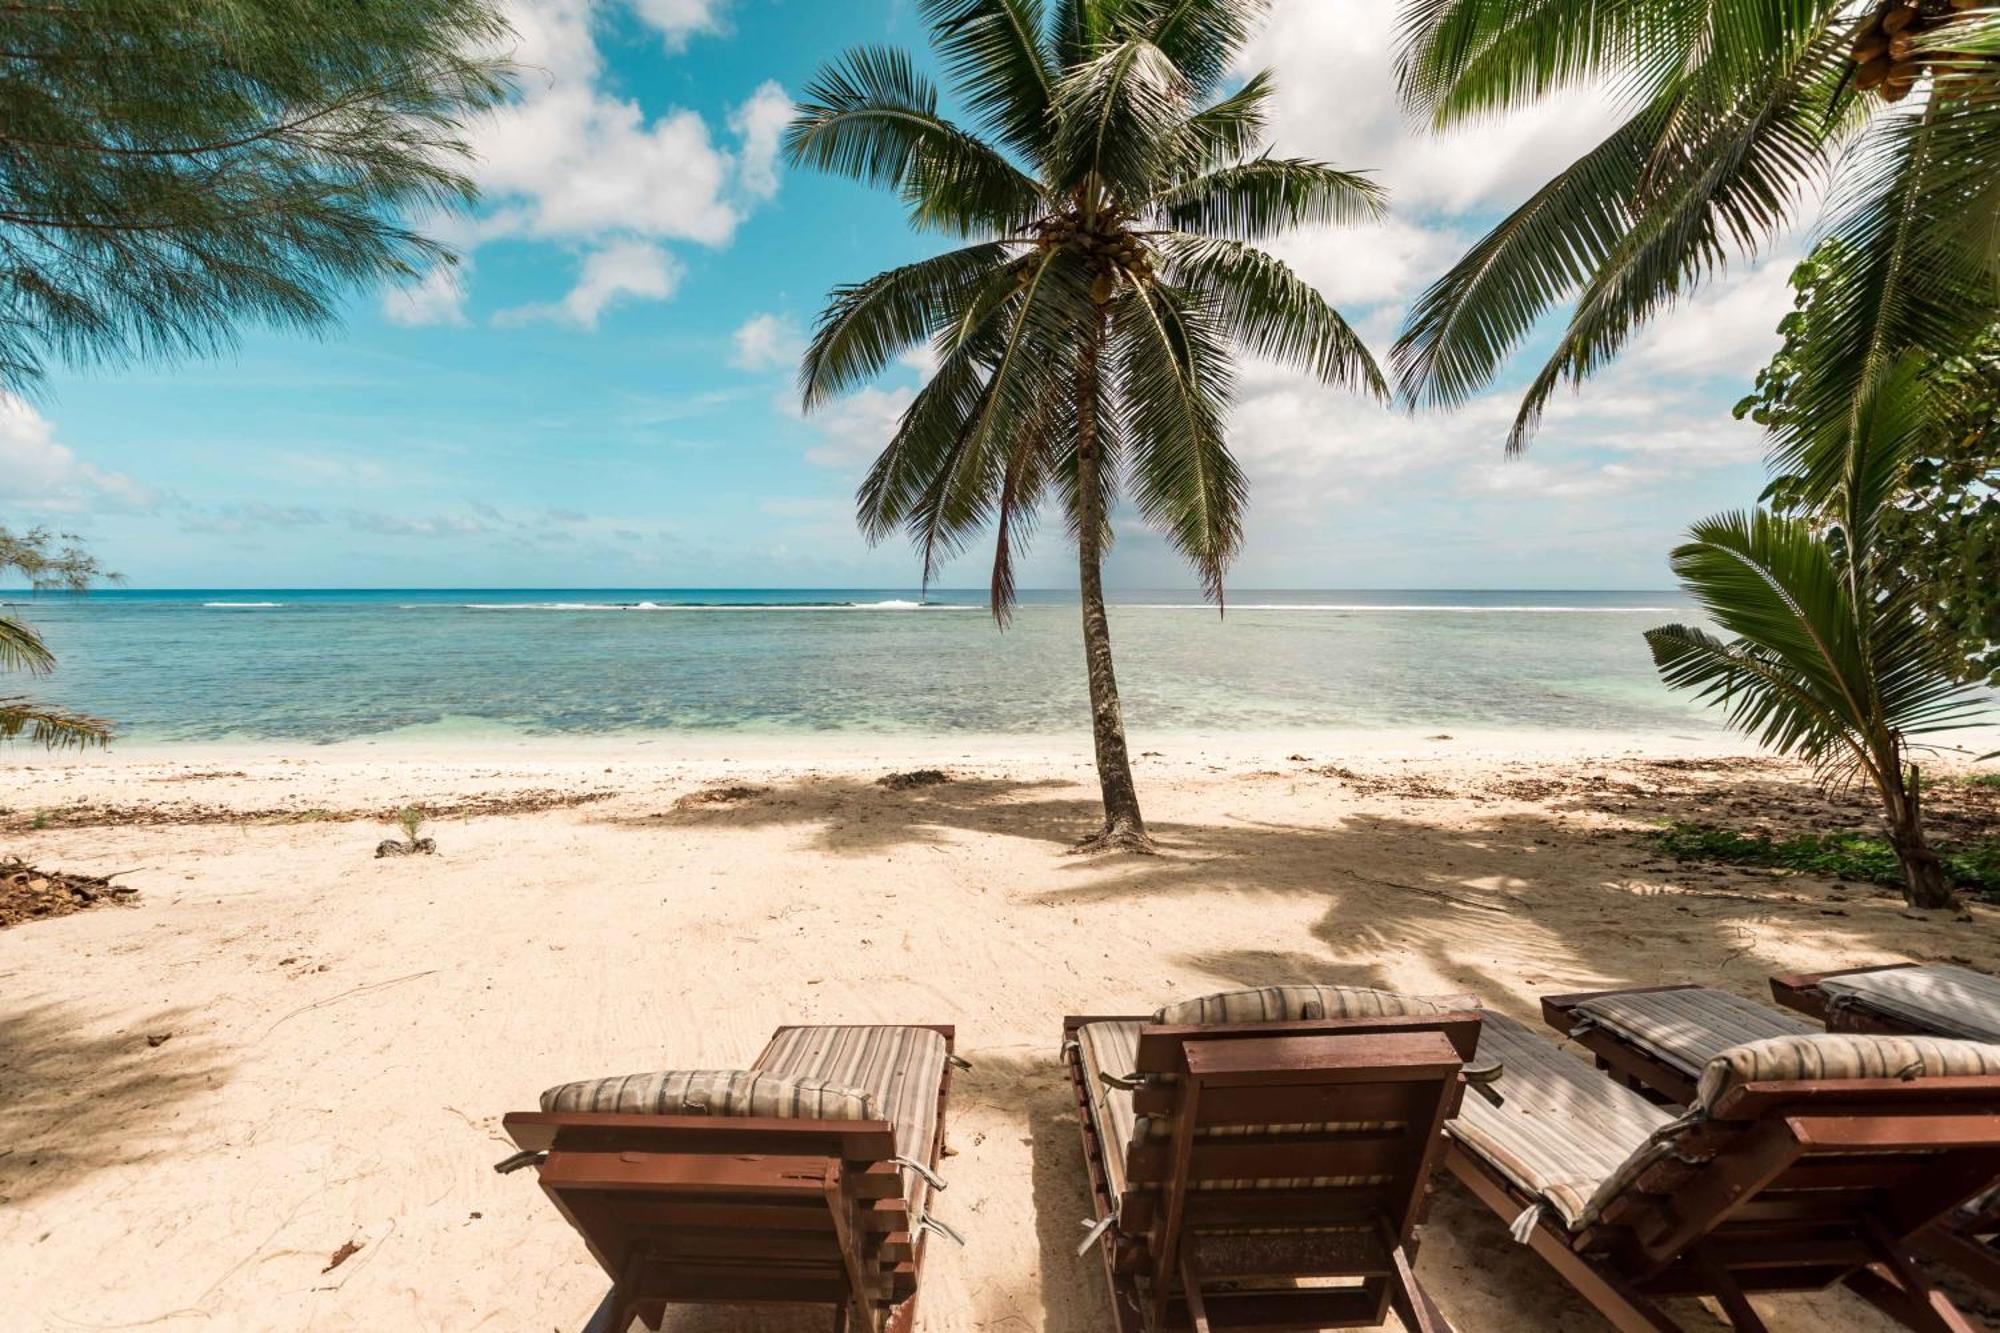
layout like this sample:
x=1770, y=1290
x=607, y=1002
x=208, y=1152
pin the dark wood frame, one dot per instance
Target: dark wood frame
x=1165, y=1274
x=1634, y=1066
x=1805, y=1184
x=1962, y=1243
x=1800, y=992
x=735, y=1210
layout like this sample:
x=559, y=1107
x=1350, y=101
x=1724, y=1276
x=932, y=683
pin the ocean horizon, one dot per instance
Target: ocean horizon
x=331, y=664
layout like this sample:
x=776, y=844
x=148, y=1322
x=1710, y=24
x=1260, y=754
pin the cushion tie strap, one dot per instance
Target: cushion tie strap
x=1122, y=1082
x=1583, y=1028
x=1095, y=1232
x=1481, y=1078
x=1524, y=1226
x=931, y=1178
x=519, y=1160
x=928, y=1223
x=957, y=1061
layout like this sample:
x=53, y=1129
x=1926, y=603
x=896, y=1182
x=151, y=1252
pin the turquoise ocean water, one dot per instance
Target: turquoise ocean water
x=311, y=666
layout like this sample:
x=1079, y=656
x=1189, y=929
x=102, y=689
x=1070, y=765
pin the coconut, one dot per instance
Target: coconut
x=1870, y=75
x=1898, y=18
x=1869, y=48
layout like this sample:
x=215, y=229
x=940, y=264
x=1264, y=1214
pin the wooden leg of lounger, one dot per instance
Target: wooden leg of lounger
x=1191, y=1289
x=1628, y=1311
x=1735, y=1305
x=1903, y=1291
x=605, y=1318
x=1969, y=1255
x=1407, y=1297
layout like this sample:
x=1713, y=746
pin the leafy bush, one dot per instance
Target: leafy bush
x=1973, y=865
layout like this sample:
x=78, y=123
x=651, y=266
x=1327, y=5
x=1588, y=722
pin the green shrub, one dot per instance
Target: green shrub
x=1973, y=866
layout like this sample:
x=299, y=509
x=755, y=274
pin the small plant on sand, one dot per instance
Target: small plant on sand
x=411, y=820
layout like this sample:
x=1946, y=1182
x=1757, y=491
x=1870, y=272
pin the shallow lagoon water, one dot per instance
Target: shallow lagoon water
x=319, y=665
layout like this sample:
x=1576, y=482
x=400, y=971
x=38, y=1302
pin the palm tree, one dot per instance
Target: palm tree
x=1831, y=660
x=1109, y=197
x=37, y=557
x=1737, y=111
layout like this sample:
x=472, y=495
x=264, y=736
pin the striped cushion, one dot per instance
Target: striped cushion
x=1814, y=1056
x=1939, y=998
x=1110, y=1048
x=1838, y=1055
x=1564, y=1127
x=898, y=1069
x=731, y=1092
x=1688, y=1027
x=1292, y=1004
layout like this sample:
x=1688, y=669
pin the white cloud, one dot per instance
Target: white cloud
x=858, y=426
x=619, y=270
x=572, y=162
x=36, y=472
x=760, y=124
x=767, y=342
x=1337, y=100
x=677, y=20
x=438, y=299
x=1729, y=327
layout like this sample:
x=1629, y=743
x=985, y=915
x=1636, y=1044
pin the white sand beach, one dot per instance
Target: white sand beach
x=288, y=1047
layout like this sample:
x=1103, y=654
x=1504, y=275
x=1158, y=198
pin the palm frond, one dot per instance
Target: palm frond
x=1265, y=196
x=1174, y=374
x=21, y=649
x=1118, y=119
x=1231, y=129
x=53, y=728
x=1201, y=37
x=1272, y=312
x=867, y=326
x=1714, y=180
x=873, y=117
x=994, y=52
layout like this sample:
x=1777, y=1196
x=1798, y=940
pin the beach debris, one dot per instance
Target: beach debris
x=411, y=817
x=916, y=777
x=731, y=795
x=187, y=814
x=158, y=1039
x=28, y=894
x=343, y=1254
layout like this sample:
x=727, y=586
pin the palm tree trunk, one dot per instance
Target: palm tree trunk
x=1124, y=828
x=1924, y=881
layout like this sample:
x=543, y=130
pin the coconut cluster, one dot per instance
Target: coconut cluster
x=1105, y=243
x=1885, y=47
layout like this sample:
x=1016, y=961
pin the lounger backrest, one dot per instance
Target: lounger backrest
x=724, y=1092
x=1797, y=1146
x=1253, y=1135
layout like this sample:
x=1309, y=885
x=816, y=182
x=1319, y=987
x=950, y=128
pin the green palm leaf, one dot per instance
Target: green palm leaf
x=53, y=728
x=1266, y=196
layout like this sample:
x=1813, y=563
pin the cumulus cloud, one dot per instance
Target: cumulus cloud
x=572, y=162
x=760, y=124
x=613, y=273
x=767, y=342
x=37, y=472
x=855, y=428
x=677, y=20
x=439, y=298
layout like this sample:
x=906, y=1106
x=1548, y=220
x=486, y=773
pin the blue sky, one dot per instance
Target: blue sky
x=601, y=395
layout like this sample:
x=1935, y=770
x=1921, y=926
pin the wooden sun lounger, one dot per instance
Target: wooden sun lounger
x=1781, y=1185
x=1285, y=1191
x=1887, y=999
x=729, y=1210
x=1667, y=1068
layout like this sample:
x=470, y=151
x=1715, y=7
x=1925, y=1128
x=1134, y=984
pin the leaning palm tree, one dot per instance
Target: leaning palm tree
x=1736, y=113
x=1085, y=336
x=1831, y=660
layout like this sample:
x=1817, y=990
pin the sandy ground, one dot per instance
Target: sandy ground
x=289, y=1046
